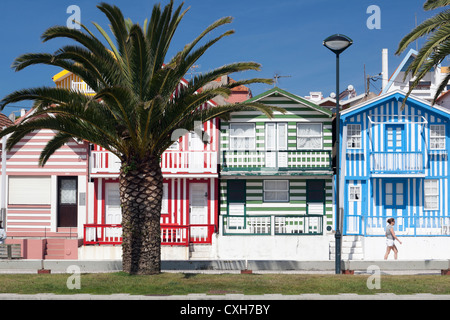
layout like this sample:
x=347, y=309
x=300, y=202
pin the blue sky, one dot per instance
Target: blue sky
x=284, y=36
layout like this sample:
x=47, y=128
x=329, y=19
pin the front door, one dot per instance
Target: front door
x=196, y=155
x=394, y=201
x=394, y=137
x=198, y=211
x=276, y=145
x=113, y=211
x=67, y=202
x=315, y=196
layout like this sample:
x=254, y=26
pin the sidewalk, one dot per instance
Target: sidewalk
x=235, y=266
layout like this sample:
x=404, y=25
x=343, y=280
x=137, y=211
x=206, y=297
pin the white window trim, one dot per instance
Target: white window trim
x=252, y=147
x=437, y=137
x=317, y=136
x=431, y=195
x=280, y=191
x=359, y=136
x=357, y=191
x=165, y=199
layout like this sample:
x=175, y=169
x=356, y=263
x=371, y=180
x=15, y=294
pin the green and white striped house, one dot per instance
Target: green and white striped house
x=276, y=174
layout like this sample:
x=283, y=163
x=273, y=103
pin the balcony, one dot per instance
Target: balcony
x=82, y=87
x=272, y=225
x=296, y=160
x=393, y=163
x=171, y=235
x=172, y=162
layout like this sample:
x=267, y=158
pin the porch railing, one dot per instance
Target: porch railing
x=189, y=161
x=171, y=162
x=397, y=162
x=404, y=225
x=109, y=234
x=235, y=160
x=272, y=225
x=81, y=87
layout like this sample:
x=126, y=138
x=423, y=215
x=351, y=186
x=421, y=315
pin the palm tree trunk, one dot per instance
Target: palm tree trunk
x=141, y=187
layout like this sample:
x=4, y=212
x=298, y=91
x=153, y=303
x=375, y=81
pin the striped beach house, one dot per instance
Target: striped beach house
x=70, y=208
x=276, y=181
x=395, y=164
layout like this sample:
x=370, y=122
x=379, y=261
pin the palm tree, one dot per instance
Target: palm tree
x=134, y=111
x=437, y=46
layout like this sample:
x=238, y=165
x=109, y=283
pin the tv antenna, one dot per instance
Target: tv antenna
x=276, y=77
x=192, y=70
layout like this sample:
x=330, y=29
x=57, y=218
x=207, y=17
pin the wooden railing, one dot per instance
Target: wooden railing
x=81, y=87
x=173, y=235
x=272, y=224
x=397, y=162
x=235, y=160
x=171, y=162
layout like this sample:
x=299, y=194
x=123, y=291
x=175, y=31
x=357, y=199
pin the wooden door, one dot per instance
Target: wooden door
x=67, y=202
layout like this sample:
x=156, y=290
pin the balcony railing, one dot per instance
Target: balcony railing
x=104, y=162
x=173, y=235
x=189, y=161
x=82, y=87
x=272, y=225
x=415, y=225
x=396, y=162
x=237, y=160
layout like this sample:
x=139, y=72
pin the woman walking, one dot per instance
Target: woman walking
x=390, y=237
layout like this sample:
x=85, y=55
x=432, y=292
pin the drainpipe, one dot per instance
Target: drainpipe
x=3, y=195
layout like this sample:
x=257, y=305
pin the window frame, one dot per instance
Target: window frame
x=318, y=136
x=231, y=146
x=276, y=191
x=425, y=195
x=437, y=137
x=359, y=192
x=352, y=125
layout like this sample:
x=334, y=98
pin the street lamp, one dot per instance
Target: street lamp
x=337, y=43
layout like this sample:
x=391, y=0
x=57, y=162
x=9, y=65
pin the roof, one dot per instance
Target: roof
x=291, y=96
x=5, y=121
x=397, y=95
x=402, y=67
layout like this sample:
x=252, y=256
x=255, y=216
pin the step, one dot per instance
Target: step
x=199, y=251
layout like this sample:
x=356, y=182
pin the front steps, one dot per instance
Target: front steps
x=200, y=251
x=351, y=248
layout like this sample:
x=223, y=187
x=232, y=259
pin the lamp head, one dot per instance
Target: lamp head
x=337, y=43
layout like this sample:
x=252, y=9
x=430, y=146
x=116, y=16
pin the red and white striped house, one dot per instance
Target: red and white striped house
x=70, y=208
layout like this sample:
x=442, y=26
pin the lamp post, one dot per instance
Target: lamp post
x=337, y=43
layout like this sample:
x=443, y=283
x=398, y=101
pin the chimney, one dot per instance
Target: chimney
x=384, y=69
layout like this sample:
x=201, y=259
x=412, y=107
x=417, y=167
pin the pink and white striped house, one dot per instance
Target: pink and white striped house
x=70, y=208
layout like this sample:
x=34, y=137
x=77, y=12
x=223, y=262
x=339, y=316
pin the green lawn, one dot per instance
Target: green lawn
x=254, y=284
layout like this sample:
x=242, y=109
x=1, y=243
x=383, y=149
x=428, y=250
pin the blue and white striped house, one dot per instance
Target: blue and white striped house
x=394, y=163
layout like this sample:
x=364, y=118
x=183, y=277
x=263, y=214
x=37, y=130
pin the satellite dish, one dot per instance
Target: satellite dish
x=332, y=95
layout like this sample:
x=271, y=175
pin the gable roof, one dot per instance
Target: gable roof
x=277, y=91
x=399, y=96
x=401, y=67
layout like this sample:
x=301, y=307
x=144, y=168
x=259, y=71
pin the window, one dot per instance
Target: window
x=354, y=193
x=431, y=194
x=437, y=137
x=354, y=136
x=309, y=136
x=242, y=136
x=165, y=199
x=276, y=190
x=29, y=190
x=236, y=196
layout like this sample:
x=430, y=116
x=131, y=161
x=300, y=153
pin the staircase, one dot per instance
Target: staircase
x=55, y=249
x=200, y=251
x=351, y=249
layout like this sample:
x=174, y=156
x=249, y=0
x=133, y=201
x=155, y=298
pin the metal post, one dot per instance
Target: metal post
x=337, y=146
